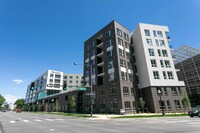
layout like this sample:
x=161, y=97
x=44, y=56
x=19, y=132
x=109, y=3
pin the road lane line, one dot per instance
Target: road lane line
x=60, y=119
x=52, y=130
x=12, y=121
x=48, y=119
x=38, y=120
x=26, y=120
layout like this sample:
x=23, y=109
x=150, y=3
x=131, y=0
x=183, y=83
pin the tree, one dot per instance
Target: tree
x=142, y=104
x=194, y=99
x=186, y=102
x=2, y=100
x=72, y=103
x=19, y=103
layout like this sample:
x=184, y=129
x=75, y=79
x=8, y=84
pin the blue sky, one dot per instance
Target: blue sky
x=37, y=35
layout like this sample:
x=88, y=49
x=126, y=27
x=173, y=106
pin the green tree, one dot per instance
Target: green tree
x=19, y=103
x=186, y=102
x=72, y=103
x=194, y=99
x=142, y=104
x=2, y=100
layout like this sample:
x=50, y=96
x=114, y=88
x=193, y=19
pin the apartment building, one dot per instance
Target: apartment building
x=108, y=69
x=155, y=69
x=188, y=63
x=125, y=68
x=51, y=83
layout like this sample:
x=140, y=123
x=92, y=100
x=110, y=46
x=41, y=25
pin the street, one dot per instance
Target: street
x=11, y=122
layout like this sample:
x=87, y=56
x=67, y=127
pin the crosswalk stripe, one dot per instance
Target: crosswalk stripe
x=49, y=119
x=12, y=121
x=26, y=120
x=37, y=120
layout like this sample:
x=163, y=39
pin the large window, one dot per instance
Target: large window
x=120, y=42
x=156, y=75
x=125, y=91
x=122, y=63
x=167, y=63
x=174, y=91
x=170, y=75
x=147, y=32
x=177, y=104
x=151, y=52
x=153, y=63
x=164, y=52
x=123, y=75
x=119, y=32
x=127, y=105
x=108, y=43
x=121, y=52
x=113, y=106
x=149, y=42
x=159, y=33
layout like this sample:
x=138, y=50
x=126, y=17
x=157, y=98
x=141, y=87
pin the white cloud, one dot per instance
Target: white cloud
x=10, y=99
x=18, y=81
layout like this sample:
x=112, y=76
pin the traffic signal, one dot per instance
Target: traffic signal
x=65, y=86
x=32, y=85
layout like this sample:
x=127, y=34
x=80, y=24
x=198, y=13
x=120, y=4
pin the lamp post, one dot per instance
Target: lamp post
x=91, y=89
x=52, y=100
x=162, y=107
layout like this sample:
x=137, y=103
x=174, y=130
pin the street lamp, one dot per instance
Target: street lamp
x=91, y=89
x=162, y=107
x=52, y=100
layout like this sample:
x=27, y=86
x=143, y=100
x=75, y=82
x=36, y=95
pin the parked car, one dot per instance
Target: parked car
x=194, y=112
x=18, y=110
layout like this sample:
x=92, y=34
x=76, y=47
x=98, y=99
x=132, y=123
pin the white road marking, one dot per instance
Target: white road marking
x=26, y=120
x=60, y=119
x=177, y=121
x=12, y=121
x=52, y=130
x=49, y=119
x=37, y=120
x=19, y=118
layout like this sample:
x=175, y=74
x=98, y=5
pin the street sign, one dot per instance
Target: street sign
x=81, y=89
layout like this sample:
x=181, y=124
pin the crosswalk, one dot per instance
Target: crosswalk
x=36, y=120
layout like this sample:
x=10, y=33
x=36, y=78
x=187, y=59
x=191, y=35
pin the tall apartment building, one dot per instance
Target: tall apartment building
x=119, y=82
x=108, y=53
x=188, y=63
x=155, y=68
x=51, y=83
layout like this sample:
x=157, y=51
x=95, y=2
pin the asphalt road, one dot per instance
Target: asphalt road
x=11, y=122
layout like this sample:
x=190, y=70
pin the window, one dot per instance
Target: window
x=149, y=42
x=70, y=77
x=113, y=91
x=129, y=65
x=125, y=91
x=110, y=53
x=87, y=74
x=177, y=104
x=51, y=75
x=58, y=76
x=151, y=52
x=127, y=105
x=66, y=97
x=94, y=81
x=154, y=33
x=76, y=77
x=157, y=43
x=126, y=45
x=167, y=63
x=126, y=36
x=132, y=92
x=128, y=55
x=57, y=80
x=120, y=42
x=164, y=75
x=122, y=63
x=165, y=90
x=159, y=53
x=110, y=64
x=130, y=77
x=159, y=33
x=119, y=32
x=156, y=75
x=102, y=92
x=70, y=81
x=93, y=43
x=123, y=75
x=179, y=91
x=174, y=91
x=170, y=75
x=111, y=76
x=93, y=52
x=162, y=43
x=50, y=80
x=65, y=77
x=113, y=106
x=159, y=88
x=108, y=43
x=168, y=105
x=108, y=33
x=92, y=62
x=102, y=106
x=147, y=32
x=87, y=55
x=164, y=52
x=153, y=63
x=161, y=63
x=121, y=52
x=93, y=71
x=87, y=47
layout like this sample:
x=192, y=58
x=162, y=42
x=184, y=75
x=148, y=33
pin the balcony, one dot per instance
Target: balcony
x=100, y=64
x=100, y=54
